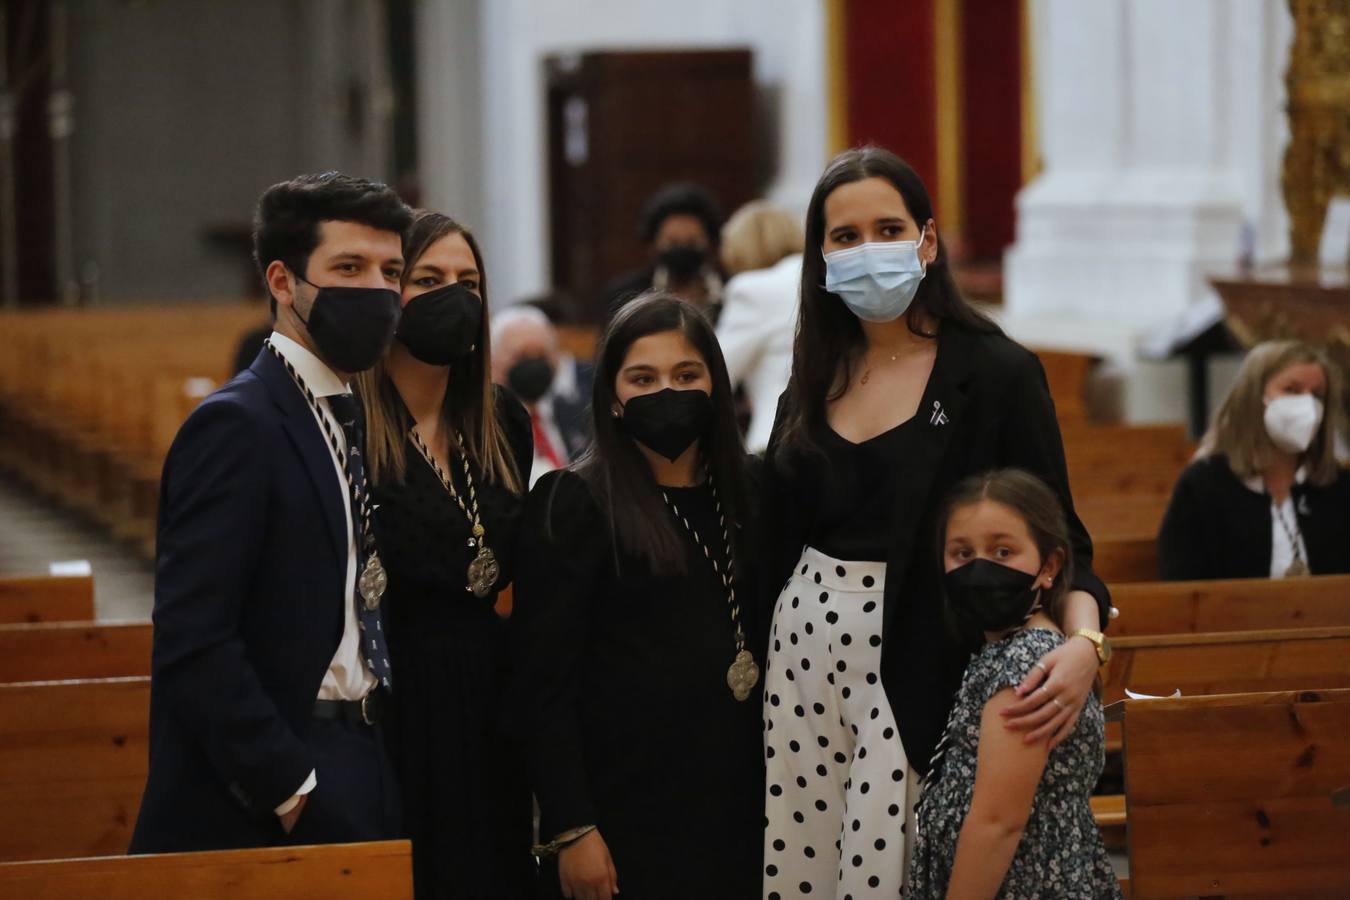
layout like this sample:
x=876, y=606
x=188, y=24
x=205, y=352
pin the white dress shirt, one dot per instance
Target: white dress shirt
x=564, y=385
x=348, y=677
x=1283, y=524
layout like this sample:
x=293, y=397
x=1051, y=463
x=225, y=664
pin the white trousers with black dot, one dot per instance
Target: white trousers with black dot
x=840, y=800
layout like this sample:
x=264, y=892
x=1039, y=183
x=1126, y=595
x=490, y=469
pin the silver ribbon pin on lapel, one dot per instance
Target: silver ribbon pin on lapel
x=938, y=417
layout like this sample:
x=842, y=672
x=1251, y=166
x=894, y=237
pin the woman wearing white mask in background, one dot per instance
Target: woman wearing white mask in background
x=899, y=391
x=1265, y=496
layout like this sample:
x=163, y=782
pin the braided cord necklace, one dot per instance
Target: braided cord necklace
x=743, y=674
x=373, y=580
x=1299, y=567
x=484, y=570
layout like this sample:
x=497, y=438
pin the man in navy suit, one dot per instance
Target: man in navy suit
x=268, y=667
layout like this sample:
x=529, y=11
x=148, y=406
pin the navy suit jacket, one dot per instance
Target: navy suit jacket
x=572, y=413
x=251, y=565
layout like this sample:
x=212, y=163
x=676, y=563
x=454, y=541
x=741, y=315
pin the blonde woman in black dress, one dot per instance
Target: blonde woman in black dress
x=448, y=454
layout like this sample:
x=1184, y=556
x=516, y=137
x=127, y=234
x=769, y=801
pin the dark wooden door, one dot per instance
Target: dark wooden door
x=620, y=125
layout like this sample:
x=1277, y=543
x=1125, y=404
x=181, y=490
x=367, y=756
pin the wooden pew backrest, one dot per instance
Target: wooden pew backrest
x=1125, y=560
x=1230, y=796
x=54, y=651
x=1229, y=662
x=73, y=761
x=380, y=869
x=1249, y=604
x=47, y=599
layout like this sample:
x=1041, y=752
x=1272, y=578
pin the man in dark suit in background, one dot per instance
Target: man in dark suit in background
x=554, y=386
x=269, y=666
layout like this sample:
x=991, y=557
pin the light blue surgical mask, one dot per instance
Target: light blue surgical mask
x=877, y=281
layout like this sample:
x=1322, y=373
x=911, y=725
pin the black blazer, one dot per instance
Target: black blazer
x=996, y=404
x=251, y=563
x=1217, y=527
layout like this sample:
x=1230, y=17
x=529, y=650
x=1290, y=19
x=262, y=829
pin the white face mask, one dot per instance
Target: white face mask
x=877, y=281
x=1292, y=421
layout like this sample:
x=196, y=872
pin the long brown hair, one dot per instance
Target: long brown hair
x=1038, y=506
x=829, y=337
x=469, y=408
x=1239, y=429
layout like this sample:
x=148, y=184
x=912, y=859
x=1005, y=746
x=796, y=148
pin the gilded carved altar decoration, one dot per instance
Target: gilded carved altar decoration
x=1317, y=161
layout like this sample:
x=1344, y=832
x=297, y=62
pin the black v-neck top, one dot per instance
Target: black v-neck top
x=857, y=492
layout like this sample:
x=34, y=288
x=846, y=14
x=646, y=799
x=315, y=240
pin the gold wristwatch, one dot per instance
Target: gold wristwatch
x=1099, y=641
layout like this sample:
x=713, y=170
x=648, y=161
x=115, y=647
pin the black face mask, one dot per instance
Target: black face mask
x=351, y=326
x=669, y=421
x=989, y=596
x=441, y=326
x=530, y=378
x=683, y=260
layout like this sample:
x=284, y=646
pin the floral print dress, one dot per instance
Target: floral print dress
x=1061, y=854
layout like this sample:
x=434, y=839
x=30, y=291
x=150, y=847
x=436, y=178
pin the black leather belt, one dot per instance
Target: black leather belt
x=368, y=710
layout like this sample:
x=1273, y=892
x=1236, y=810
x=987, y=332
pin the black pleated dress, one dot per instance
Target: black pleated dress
x=466, y=799
x=629, y=723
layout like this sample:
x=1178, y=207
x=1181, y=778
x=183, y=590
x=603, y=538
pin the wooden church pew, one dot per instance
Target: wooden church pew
x=73, y=761
x=1229, y=662
x=1230, y=796
x=380, y=869
x=55, y=651
x=1120, y=560
x=47, y=599
x=1246, y=604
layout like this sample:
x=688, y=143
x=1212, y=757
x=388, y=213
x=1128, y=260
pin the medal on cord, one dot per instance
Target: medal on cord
x=743, y=674
x=484, y=570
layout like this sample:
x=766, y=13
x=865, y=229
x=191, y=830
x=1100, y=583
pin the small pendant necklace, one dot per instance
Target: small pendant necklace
x=484, y=570
x=867, y=373
x=743, y=674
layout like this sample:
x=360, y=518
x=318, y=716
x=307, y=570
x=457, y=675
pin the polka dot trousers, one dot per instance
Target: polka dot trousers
x=839, y=806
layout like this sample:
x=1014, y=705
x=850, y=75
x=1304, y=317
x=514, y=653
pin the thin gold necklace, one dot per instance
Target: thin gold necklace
x=867, y=373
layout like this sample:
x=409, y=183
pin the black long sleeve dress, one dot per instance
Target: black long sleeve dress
x=466, y=800
x=627, y=718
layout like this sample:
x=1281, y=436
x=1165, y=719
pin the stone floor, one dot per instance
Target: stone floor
x=34, y=534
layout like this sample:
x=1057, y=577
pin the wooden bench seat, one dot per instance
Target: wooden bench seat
x=73, y=762
x=47, y=599
x=364, y=871
x=1230, y=796
x=55, y=651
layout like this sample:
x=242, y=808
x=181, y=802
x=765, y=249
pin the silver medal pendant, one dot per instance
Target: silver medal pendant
x=483, y=571
x=743, y=675
x=1297, y=569
x=373, y=582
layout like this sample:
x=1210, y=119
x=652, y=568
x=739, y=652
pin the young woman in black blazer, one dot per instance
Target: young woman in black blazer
x=1265, y=496
x=632, y=628
x=899, y=390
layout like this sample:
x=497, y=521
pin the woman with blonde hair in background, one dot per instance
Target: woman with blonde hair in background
x=448, y=454
x=762, y=251
x=1265, y=496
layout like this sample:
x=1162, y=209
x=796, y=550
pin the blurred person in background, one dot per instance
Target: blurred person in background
x=762, y=252
x=1265, y=496
x=679, y=224
x=554, y=386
